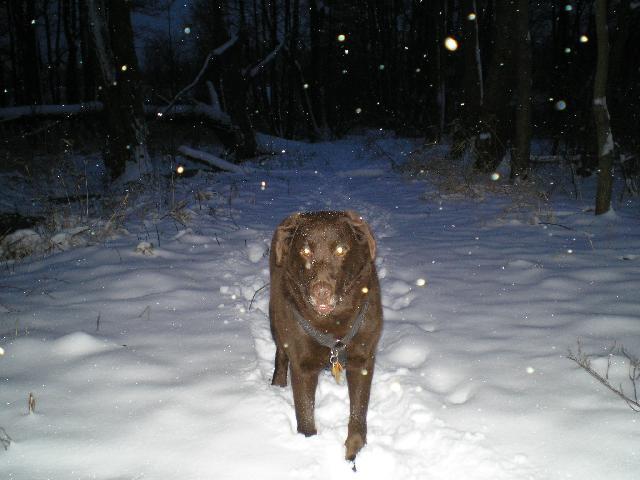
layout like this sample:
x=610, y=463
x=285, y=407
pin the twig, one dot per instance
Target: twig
x=31, y=403
x=584, y=361
x=256, y=293
x=556, y=225
x=5, y=439
x=572, y=229
x=147, y=310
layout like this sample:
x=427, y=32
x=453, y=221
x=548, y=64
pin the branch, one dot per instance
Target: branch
x=213, y=53
x=213, y=160
x=253, y=71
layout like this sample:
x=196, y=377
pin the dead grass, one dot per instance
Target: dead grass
x=452, y=177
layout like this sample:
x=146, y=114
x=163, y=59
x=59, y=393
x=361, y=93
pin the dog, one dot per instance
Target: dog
x=325, y=310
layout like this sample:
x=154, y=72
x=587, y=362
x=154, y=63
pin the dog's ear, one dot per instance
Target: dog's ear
x=283, y=236
x=362, y=231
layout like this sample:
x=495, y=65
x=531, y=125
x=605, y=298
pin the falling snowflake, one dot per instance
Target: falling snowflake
x=451, y=44
x=560, y=105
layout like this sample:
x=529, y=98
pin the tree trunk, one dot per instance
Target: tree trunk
x=601, y=113
x=522, y=145
x=434, y=74
x=495, y=119
x=317, y=38
x=236, y=89
x=126, y=156
x=472, y=67
x=23, y=12
x=70, y=35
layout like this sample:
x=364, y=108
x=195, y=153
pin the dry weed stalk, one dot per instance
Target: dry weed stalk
x=454, y=178
x=584, y=361
x=31, y=403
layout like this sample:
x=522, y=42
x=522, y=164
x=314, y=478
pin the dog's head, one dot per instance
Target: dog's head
x=326, y=256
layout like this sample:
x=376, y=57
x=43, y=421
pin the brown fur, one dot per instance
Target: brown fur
x=325, y=285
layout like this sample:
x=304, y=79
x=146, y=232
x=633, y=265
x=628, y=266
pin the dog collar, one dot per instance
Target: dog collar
x=337, y=345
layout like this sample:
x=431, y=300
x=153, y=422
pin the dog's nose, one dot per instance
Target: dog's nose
x=322, y=297
x=321, y=292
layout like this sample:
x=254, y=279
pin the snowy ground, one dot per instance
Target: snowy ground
x=156, y=363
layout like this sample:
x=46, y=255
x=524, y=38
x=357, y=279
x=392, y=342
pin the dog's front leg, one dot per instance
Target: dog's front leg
x=304, y=380
x=359, y=375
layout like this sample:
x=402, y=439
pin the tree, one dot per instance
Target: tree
x=472, y=83
x=601, y=113
x=522, y=144
x=495, y=121
x=69, y=17
x=23, y=19
x=126, y=155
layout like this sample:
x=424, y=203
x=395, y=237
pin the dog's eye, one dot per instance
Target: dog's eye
x=340, y=251
x=305, y=252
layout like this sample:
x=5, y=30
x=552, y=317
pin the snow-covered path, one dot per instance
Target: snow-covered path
x=471, y=379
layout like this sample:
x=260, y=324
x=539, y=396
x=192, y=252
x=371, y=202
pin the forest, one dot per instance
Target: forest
x=132, y=79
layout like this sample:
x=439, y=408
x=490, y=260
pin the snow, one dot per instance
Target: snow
x=158, y=366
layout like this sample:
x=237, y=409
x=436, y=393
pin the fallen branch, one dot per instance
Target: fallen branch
x=14, y=113
x=28, y=111
x=213, y=160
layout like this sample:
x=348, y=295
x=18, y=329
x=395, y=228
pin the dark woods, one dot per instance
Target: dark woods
x=486, y=74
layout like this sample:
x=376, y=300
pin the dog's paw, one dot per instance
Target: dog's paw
x=354, y=444
x=279, y=381
x=307, y=432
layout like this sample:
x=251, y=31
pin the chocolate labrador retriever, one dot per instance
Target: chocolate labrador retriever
x=325, y=310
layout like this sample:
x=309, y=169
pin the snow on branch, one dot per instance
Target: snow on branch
x=213, y=160
x=585, y=361
x=14, y=113
x=213, y=53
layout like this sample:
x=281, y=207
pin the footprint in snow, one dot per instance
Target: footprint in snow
x=397, y=295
